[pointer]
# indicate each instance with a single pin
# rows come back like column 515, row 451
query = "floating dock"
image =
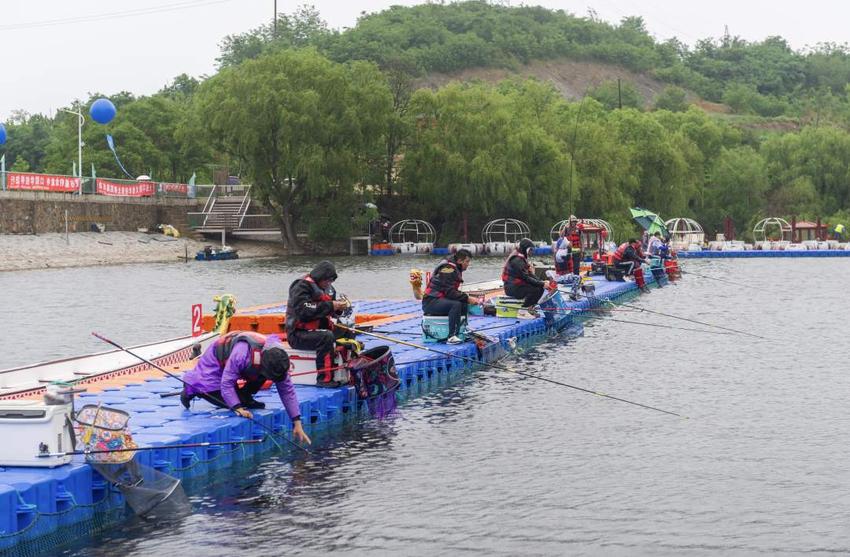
column 762, row 253
column 41, row 508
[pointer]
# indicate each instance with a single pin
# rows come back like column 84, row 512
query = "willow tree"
column 473, row 154
column 301, row 127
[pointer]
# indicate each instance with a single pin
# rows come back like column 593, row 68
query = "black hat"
column 274, row 364
column 524, row 245
column 325, row 270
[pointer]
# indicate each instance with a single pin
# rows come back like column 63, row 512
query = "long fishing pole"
column 216, row 399
column 697, row 322
column 694, row 321
column 667, row 327
column 179, row 446
column 505, row 368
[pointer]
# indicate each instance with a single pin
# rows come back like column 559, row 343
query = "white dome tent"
column 772, row 233
column 412, row 236
column 685, row 234
column 501, row 235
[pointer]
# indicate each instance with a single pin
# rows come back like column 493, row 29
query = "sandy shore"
column 19, row 252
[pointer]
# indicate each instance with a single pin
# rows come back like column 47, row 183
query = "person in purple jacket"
column 249, row 356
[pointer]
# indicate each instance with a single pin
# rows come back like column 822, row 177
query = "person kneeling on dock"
column 253, row 358
column 310, row 310
column 443, row 295
column 520, row 282
column 628, row 259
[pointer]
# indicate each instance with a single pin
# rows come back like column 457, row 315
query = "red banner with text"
column 41, row 182
column 174, row 188
column 139, row 189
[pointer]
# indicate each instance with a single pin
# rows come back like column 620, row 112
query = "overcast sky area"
column 48, row 60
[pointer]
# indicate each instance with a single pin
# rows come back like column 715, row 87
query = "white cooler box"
column 303, row 367
column 30, row 427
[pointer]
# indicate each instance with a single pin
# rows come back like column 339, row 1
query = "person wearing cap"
column 520, row 282
column 310, row 311
column 574, row 230
column 252, row 358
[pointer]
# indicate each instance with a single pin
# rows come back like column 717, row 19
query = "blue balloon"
column 102, row 111
column 2, row 134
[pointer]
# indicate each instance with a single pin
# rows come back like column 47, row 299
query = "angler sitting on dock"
column 628, row 259
column 519, row 280
column 255, row 359
column 310, row 310
column 443, row 295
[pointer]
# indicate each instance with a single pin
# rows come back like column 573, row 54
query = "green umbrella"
column 649, row 221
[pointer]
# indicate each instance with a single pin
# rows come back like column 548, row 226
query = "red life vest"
column 507, row 277
column 621, row 251
column 432, row 290
column 319, row 295
column 224, row 346
column 575, row 237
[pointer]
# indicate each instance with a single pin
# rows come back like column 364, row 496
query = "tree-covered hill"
column 765, row 77
column 469, row 111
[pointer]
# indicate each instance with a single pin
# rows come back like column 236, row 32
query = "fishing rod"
column 695, row 321
column 216, row 399
column 505, row 368
column 179, row 446
column 667, row 327
column 582, row 310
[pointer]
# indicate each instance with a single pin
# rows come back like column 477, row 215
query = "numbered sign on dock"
column 197, row 319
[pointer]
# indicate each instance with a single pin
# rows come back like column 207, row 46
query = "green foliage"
column 29, row 136
column 305, row 27
column 763, row 77
column 745, row 99
column 614, row 94
column 672, row 98
column 302, row 127
column 321, row 120
column 478, row 150
column 146, row 138
column 737, row 188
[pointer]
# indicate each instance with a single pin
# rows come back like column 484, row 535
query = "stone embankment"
column 81, row 249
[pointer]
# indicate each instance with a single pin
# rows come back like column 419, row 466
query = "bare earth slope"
column 571, row 77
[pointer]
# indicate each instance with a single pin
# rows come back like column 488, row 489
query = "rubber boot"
column 639, row 280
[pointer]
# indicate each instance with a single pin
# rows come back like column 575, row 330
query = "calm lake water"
column 497, row 464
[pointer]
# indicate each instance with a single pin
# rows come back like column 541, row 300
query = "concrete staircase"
column 225, row 213
column 228, row 211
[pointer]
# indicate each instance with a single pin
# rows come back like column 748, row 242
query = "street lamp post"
column 82, row 120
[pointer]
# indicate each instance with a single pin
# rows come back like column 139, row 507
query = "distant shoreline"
column 23, row 252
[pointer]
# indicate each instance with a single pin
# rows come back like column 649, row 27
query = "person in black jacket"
column 519, row 280
column 310, row 310
column 443, row 296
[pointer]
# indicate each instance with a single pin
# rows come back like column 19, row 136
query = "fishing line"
column 504, row 368
column 694, row 321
